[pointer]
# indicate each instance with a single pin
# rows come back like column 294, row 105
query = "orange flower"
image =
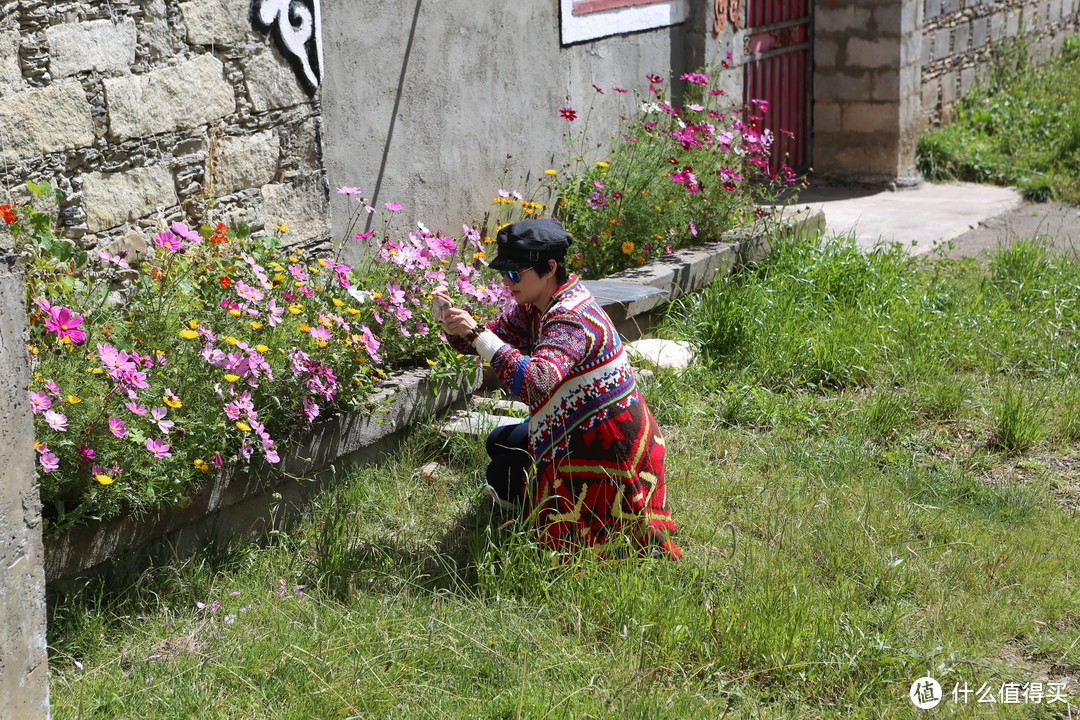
column 7, row 213
column 156, row 273
column 219, row 234
column 225, row 281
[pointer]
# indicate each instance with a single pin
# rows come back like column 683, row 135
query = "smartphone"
column 439, row 306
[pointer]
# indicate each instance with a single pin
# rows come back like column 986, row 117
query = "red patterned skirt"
column 607, row 491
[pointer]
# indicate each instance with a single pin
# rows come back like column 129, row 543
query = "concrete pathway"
column 922, row 218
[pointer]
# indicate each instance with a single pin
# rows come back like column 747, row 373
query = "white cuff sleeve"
column 487, row 344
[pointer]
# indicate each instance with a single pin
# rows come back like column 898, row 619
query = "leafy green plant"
column 152, row 374
column 670, row 176
column 1019, row 420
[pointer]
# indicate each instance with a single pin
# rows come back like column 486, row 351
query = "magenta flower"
column 249, row 293
column 86, row 452
column 136, row 408
column 65, row 324
column 170, row 241
column 52, row 387
column 49, row 461
column 394, row 207
column 322, row 334
column 698, row 78
column 568, row 113
column 308, row 408
column 371, row 343
column 40, row 402
column 693, row 228
column 56, row 420
column 217, row 460
column 158, row 448
column 192, row 236
column 117, row 427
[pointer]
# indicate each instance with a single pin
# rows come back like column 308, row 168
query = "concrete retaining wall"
column 961, row 38
column 24, row 681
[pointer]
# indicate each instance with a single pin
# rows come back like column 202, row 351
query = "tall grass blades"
column 1019, row 420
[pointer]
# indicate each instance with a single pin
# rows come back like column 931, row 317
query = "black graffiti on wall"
column 294, row 26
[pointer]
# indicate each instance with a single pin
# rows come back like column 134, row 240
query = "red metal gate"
column 778, row 70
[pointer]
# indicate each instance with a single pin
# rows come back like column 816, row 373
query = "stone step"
column 470, row 422
column 499, row 407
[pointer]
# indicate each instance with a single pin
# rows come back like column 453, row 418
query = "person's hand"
column 442, row 292
column 459, row 321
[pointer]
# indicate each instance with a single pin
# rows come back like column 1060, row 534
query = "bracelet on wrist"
column 470, row 337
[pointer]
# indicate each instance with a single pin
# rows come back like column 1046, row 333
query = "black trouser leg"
column 508, row 448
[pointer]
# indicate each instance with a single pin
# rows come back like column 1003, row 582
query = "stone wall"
column 140, row 111
column 962, row 37
column 24, row 682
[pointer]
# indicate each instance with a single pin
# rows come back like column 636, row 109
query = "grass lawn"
column 875, row 470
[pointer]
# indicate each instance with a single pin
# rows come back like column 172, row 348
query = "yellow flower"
column 551, row 172
column 231, row 340
column 376, row 295
column 32, row 349
column 321, row 343
column 432, row 363
column 295, row 309
column 104, row 479
column 262, row 348
column 202, row 465
column 189, row 334
column 304, row 327
column 96, row 371
column 640, row 259
column 72, row 399
column 193, row 324
column 322, row 262
column 256, row 325
column 278, row 277
column 243, row 426
column 337, row 303
column 602, row 164
column 628, row 247
column 282, row 227
column 479, row 255
column 38, row 444
column 235, row 313
column 293, row 258
column 171, row 400
column 352, row 311
column 232, row 377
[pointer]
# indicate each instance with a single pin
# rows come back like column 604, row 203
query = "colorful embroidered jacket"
column 598, row 452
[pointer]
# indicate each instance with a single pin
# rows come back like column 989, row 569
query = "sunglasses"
column 514, row 276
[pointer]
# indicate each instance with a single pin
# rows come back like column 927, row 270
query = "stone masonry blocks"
column 96, row 45
column 111, row 199
column 24, row 679
column 842, row 87
column 44, row 120
column 870, row 117
column 850, row 18
column 245, row 162
column 271, row 83
column 217, row 22
column 183, row 96
column 10, row 71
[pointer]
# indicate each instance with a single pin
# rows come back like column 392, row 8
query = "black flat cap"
column 527, row 242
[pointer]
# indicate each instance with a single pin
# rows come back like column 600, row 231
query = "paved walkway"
column 961, row 219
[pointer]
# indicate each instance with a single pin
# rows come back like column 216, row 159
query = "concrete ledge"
column 239, row 505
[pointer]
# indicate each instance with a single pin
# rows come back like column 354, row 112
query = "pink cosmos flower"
column 192, row 236
column 321, row 333
column 49, row 461
column 394, row 207
column 248, row 292
column 371, row 343
column 170, row 241
column 86, row 452
column 136, row 408
column 217, row 460
column 117, row 427
column 65, row 324
column 568, row 113
column 56, row 420
column 52, row 387
column 40, row 402
column 698, row 78
column 158, row 448
column 693, row 228
column 158, row 416
column 348, row 191
column 309, row 409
